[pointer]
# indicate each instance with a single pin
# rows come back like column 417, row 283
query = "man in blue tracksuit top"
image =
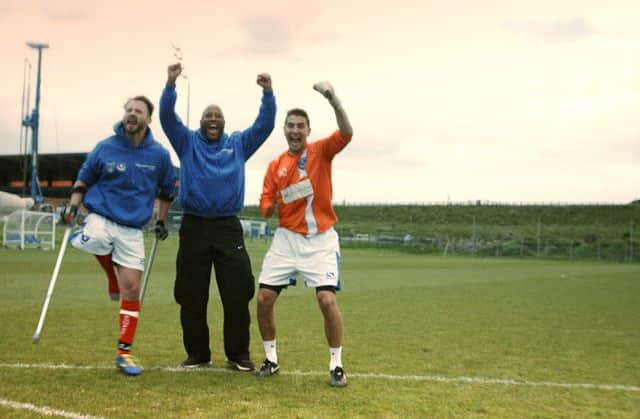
column 212, row 194
column 119, row 182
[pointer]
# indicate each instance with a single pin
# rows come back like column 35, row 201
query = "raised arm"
column 172, row 126
column 254, row 136
column 264, row 81
column 326, row 89
column 173, row 72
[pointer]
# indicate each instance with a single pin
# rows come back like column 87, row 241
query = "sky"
column 532, row 101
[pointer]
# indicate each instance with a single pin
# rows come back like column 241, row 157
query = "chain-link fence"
column 543, row 241
column 604, row 232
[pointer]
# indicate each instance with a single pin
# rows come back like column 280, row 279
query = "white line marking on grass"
column 501, row 381
column 436, row 378
column 44, row 410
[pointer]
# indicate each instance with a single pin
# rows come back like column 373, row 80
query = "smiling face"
column 296, row 131
column 212, row 122
column 136, row 117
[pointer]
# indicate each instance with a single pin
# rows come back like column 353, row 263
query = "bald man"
column 212, row 183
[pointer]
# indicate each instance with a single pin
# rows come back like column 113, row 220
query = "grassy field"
column 587, row 232
column 609, row 222
column 425, row 336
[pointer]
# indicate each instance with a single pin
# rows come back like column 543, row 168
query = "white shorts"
column 100, row 236
column 315, row 258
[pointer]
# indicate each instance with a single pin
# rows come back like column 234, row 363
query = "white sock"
column 336, row 358
column 270, row 350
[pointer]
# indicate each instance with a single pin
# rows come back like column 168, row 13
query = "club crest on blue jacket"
column 124, row 179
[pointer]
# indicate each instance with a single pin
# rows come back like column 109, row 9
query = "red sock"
column 107, row 264
column 129, row 311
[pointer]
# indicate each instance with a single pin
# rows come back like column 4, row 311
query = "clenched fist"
column 173, row 72
column 264, row 81
column 326, row 89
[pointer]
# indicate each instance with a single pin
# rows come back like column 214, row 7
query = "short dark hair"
column 297, row 112
column 144, row 99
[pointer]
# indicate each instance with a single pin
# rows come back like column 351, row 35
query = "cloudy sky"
column 450, row 100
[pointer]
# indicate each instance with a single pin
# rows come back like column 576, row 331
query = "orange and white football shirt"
column 303, row 209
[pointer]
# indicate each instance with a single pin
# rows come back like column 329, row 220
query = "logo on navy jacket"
column 143, row 166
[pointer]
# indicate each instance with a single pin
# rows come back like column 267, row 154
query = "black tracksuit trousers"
column 217, row 241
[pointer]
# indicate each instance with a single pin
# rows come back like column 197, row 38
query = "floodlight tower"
column 33, row 121
column 24, row 133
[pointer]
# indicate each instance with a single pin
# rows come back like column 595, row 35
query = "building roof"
column 56, row 173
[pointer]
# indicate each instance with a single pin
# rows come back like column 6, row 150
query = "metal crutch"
column 52, row 284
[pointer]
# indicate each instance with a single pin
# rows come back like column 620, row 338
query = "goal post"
column 29, row 230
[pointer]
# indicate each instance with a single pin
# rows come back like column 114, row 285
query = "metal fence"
column 538, row 240
column 543, row 242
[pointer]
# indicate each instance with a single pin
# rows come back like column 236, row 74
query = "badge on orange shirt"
column 296, row 191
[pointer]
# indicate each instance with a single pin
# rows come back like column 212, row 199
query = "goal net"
column 29, row 230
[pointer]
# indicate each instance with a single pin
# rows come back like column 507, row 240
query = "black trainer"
column 244, row 365
column 192, row 363
column 338, row 377
column 268, row 368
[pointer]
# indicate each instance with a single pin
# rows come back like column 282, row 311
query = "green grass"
column 409, row 319
column 608, row 222
column 598, row 232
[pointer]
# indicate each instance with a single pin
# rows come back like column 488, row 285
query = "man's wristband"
column 79, row 189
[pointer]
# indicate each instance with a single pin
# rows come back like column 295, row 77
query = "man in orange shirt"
column 298, row 183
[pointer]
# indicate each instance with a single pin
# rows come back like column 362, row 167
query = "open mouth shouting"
column 212, row 122
column 212, row 130
column 296, row 143
column 131, row 123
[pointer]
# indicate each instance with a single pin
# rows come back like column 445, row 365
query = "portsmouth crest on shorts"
column 121, row 167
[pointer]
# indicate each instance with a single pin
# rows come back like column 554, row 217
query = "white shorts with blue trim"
column 100, row 236
column 316, row 259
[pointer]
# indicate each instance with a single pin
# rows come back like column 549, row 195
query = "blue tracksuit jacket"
column 123, row 179
column 212, row 172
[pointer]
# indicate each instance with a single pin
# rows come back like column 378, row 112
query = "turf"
column 425, row 336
